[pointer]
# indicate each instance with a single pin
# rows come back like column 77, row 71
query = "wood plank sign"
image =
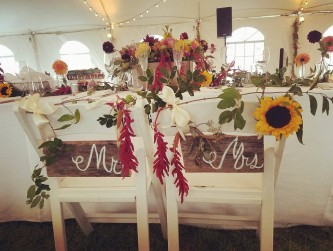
column 223, row 153
column 87, row 159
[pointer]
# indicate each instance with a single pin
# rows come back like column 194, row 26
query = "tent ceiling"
column 47, row 16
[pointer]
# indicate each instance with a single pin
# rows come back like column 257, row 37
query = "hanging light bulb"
column 301, row 19
column 156, row 5
column 109, row 35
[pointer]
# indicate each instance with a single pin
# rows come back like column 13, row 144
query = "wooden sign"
column 87, row 159
column 224, row 153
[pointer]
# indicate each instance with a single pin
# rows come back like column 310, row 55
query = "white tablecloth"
column 303, row 190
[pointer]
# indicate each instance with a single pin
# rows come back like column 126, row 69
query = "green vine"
column 37, row 192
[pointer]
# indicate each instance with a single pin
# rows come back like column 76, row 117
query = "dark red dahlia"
column 151, row 40
column 108, row 47
column 204, row 44
column 126, row 57
column 314, row 36
column 183, row 36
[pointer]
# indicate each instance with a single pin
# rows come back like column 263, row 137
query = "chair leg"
column 79, row 215
column 267, row 207
column 172, row 215
column 160, row 202
column 142, row 205
column 58, row 223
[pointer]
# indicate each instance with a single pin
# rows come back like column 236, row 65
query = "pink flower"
column 328, row 43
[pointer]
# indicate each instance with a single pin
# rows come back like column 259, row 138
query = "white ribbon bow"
column 38, row 108
column 178, row 115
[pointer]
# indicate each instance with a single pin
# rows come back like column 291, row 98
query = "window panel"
column 248, row 43
column 76, row 55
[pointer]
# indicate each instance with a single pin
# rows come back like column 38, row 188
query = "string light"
column 140, row 15
column 127, row 21
column 95, row 12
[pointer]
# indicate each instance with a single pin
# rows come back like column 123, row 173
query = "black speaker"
column 224, row 22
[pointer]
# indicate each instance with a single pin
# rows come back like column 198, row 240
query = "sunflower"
column 208, row 78
column 328, row 43
column 60, row 67
column 5, row 90
column 302, row 59
column 277, row 117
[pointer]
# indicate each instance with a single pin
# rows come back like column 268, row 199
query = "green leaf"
column 225, row 117
column 143, row 78
column 35, row 201
column 189, row 75
column 313, row 105
column 41, row 203
column 77, row 116
column 173, row 72
column 257, row 81
column 163, row 80
column 31, row 191
column 230, row 93
column 149, row 73
column 147, row 109
column 239, row 122
column 226, row 103
column 276, row 79
column 129, row 99
column 326, row 105
column 66, row 117
column 296, row 90
column 164, row 72
column 199, row 79
column 63, row 127
column 299, row 134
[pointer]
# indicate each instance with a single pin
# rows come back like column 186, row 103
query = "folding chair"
column 91, row 145
column 234, row 170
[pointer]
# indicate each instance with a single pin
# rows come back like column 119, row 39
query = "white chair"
column 212, row 194
column 74, row 190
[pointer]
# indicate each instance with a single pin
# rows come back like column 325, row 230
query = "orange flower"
column 5, row 90
column 302, row 59
column 60, row 67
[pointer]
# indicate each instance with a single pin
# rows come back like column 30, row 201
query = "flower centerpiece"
column 161, row 57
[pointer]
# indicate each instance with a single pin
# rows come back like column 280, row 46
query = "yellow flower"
column 5, row 90
column 277, row 117
column 302, row 59
column 208, row 78
column 60, row 67
column 179, row 46
column 142, row 50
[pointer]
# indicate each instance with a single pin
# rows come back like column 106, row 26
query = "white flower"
column 178, row 115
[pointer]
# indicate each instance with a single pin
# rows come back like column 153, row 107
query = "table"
column 303, row 192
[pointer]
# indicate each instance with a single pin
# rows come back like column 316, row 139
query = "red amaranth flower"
column 108, row 47
column 161, row 162
column 180, row 181
column 126, row 156
column 314, row 36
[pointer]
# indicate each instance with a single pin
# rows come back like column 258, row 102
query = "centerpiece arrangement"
column 160, row 56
